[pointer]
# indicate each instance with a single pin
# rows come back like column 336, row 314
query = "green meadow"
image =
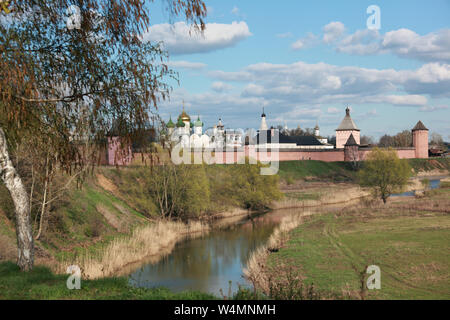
column 409, row 240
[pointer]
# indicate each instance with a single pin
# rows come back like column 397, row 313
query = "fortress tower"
column 420, row 140
column 351, row 150
column 345, row 130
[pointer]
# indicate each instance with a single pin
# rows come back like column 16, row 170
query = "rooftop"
column 419, row 126
column 282, row 138
column 351, row 141
column 347, row 123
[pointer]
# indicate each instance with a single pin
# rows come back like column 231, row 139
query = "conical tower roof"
column 347, row 123
column 351, row 141
column 419, row 126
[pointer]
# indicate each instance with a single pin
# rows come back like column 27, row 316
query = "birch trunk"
column 19, row 195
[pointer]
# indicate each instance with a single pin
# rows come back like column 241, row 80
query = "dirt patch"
column 8, row 248
column 113, row 219
column 434, row 172
column 106, row 184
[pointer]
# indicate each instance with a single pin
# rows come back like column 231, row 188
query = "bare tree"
column 51, row 74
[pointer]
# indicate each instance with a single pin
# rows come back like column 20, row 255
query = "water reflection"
column 208, row 263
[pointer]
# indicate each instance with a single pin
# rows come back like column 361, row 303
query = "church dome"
column 180, row 123
column 170, row 124
column 184, row 116
column 198, row 123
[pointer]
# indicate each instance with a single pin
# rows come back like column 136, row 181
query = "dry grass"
column 144, row 242
column 337, row 195
column 332, row 196
column 255, row 271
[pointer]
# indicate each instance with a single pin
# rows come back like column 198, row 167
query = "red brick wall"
column 118, row 155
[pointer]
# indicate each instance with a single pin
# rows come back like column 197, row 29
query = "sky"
column 304, row 62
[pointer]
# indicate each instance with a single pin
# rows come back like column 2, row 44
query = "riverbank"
column 41, row 283
column 305, row 194
column 407, row 239
column 109, row 226
column 116, row 205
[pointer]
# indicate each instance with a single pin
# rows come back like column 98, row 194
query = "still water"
column 433, row 185
column 210, row 262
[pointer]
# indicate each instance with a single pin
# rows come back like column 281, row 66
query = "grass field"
column 342, row 171
column 41, row 283
column 333, row 171
column 409, row 240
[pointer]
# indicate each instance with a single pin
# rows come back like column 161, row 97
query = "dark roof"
column 351, row 141
column 419, row 126
column 347, row 123
column 298, row 140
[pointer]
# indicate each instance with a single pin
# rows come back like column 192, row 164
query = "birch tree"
column 60, row 59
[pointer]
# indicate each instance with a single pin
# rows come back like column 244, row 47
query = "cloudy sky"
column 306, row 62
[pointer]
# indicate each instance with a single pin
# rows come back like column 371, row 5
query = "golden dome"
column 184, row 116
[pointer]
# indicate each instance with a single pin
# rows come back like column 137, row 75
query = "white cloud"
column 180, row 38
column 432, row 108
column 362, row 42
column 333, row 110
column 235, row 11
column 434, row 46
column 186, row 65
column 308, row 41
column 297, row 45
column 408, row 100
column 323, row 83
column 253, row 90
column 300, row 91
column 333, row 31
column 331, row 83
column 220, row 86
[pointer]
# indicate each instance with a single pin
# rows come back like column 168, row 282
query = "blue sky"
column 304, row 62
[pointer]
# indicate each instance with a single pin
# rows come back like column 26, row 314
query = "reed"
column 256, row 272
column 144, row 242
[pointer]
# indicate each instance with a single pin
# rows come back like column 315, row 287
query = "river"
column 210, row 262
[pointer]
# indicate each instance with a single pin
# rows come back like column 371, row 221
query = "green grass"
column 41, row 283
column 429, row 164
column 410, row 246
column 342, row 171
column 334, row 171
column 303, row 195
